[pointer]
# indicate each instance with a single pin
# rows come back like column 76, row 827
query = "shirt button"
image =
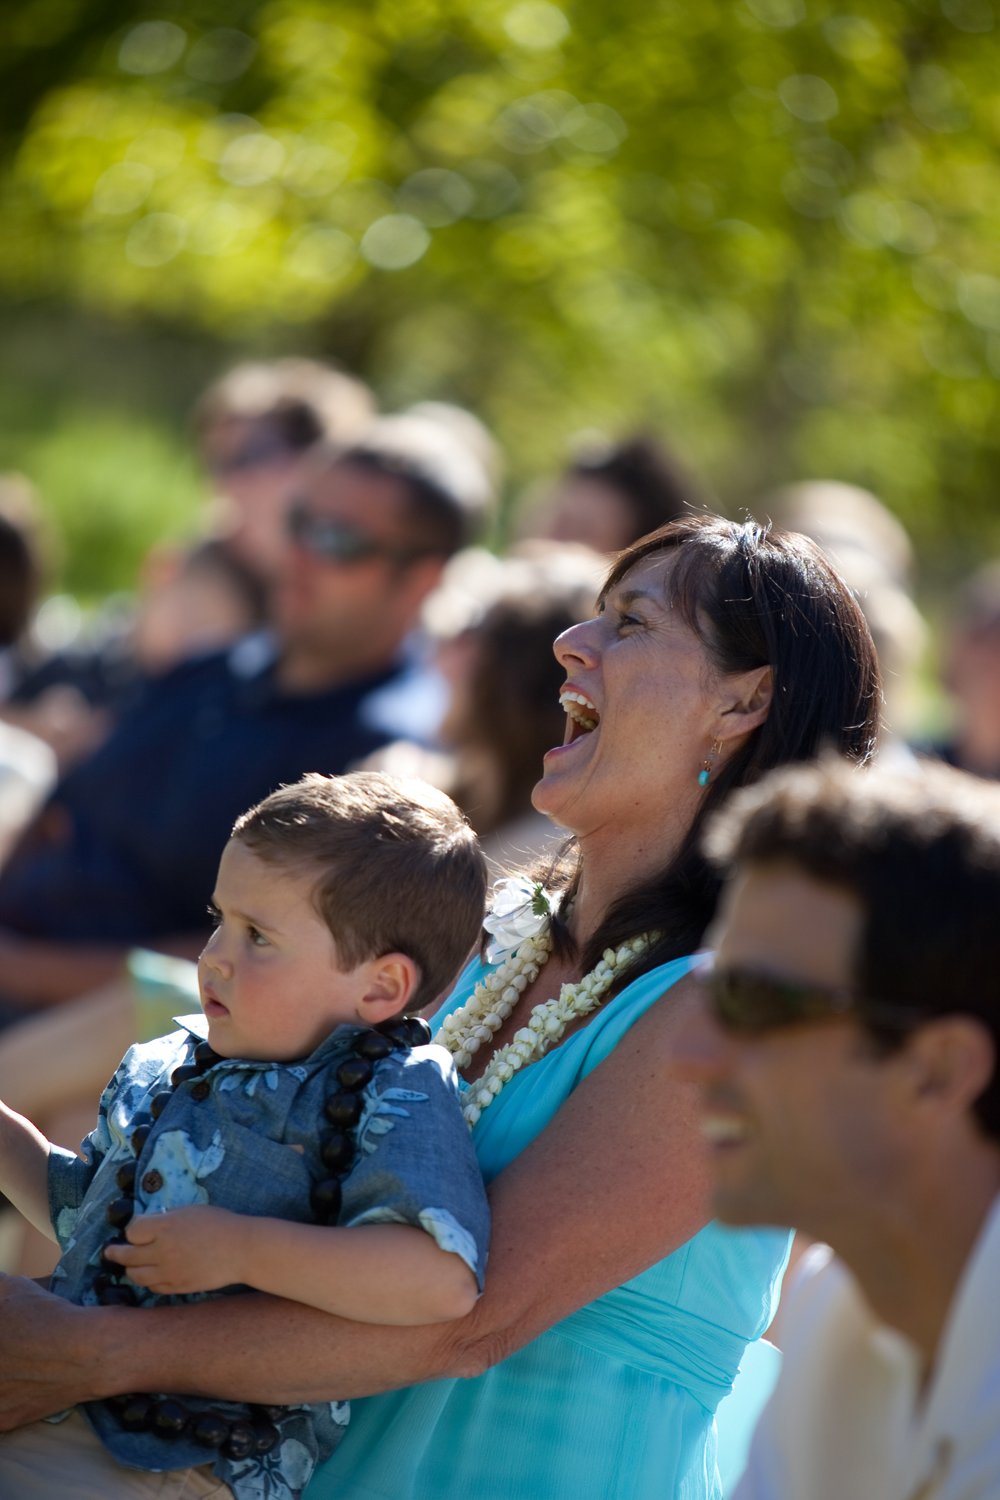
column 200, row 1090
column 152, row 1182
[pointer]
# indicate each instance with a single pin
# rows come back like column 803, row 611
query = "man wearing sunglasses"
column 846, row 1051
column 255, row 428
column 369, row 530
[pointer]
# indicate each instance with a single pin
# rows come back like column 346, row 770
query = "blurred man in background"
column 255, row 428
column 123, row 852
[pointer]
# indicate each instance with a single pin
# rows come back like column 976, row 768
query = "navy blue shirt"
column 127, row 848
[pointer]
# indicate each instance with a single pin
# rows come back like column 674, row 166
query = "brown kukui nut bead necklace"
column 254, row 1430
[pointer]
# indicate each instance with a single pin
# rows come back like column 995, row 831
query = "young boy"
column 298, row 1096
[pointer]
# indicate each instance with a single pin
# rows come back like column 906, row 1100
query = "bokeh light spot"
column 595, row 129
column 975, row 16
column 808, row 97
column 436, row 196
column 321, row 254
column 220, row 55
column 155, row 240
column 251, row 159
column 123, row 188
column 151, row 47
column 394, row 242
column 780, row 14
column 536, row 25
column 979, row 300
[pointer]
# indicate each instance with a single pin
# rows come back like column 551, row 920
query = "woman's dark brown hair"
column 756, row 598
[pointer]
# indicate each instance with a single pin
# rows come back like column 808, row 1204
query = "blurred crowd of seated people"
column 253, row 430
column 338, row 607
column 872, row 551
column 970, row 664
column 123, row 850
column 611, row 493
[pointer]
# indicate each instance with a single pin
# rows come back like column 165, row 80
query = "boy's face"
column 269, row 978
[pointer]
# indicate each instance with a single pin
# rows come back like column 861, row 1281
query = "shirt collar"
column 341, row 1036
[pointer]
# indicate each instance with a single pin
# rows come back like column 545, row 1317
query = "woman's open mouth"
column 582, row 718
column 581, row 713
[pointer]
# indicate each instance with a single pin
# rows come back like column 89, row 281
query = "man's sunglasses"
column 743, row 1000
column 252, row 455
column 337, row 542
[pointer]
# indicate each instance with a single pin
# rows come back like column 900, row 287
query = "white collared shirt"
column 848, row 1421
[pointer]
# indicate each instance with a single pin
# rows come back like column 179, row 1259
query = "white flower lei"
column 494, row 998
column 520, row 909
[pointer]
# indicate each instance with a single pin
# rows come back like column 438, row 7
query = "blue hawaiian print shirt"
column 251, row 1145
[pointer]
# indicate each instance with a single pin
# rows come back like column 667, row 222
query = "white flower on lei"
column 520, row 909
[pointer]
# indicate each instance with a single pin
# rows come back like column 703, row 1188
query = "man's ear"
column 951, row 1059
column 390, row 984
column 746, row 702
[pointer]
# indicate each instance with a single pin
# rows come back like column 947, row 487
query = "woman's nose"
column 577, row 645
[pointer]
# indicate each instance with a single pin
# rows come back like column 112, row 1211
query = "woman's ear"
column 390, row 984
column 746, row 702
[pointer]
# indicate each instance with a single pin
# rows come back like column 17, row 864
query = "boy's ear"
column 746, row 702
column 392, row 981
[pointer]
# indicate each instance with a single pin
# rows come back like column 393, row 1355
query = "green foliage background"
column 766, row 228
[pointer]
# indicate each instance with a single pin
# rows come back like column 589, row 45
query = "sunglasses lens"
column 329, row 539
column 253, row 456
column 749, row 1002
column 743, row 1003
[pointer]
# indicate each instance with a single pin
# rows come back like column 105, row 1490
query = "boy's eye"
column 256, row 937
column 214, row 914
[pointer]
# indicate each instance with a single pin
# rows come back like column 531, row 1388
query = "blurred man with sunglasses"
column 255, row 429
column 123, row 854
column 847, row 1052
column 369, row 530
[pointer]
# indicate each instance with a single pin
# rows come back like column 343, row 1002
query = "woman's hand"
column 47, row 1362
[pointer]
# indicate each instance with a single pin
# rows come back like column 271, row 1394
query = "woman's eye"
column 625, row 620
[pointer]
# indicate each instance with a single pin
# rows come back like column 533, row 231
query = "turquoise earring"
column 708, row 765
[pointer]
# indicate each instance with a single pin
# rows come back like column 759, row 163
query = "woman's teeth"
column 580, row 709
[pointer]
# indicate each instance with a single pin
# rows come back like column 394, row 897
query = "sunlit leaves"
column 769, row 226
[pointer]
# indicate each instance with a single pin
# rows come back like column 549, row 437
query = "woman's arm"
column 615, row 1183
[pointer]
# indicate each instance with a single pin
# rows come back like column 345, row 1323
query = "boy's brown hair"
column 398, row 868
